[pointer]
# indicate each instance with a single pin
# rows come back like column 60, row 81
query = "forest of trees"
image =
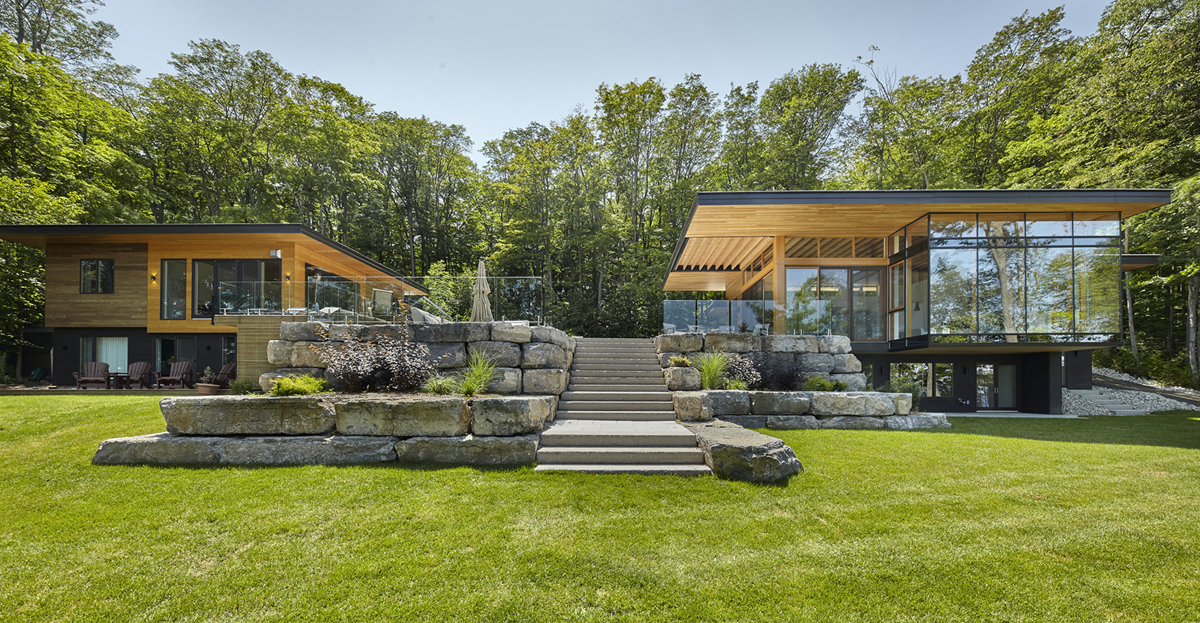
column 594, row 202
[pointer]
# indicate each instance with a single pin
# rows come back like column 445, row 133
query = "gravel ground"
column 1073, row 404
column 1121, row 376
column 1145, row 401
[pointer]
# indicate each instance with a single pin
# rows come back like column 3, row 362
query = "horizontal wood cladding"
column 253, row 334
column 124, row 307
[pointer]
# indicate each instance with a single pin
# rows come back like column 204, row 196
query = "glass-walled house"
column 989, row 298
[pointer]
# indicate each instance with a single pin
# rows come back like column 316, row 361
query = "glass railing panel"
column 679, row 316
column 249, row 297
column 752, row 316
column 713, row 317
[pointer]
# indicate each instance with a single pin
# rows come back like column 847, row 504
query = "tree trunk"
column 1170, row 302
column 1193, row 295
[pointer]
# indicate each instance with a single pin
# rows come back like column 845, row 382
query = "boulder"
column 447, row 355
column 729, row 402
column 157, row 449
column 279, row 352
column 544, row 381
column 731, row 342
column 303, row 331
column 910, row 422
column 503, row 354
column 305, row 355
column 664, row 359
column 691, row 406
column 515, row 333
column 682, row 379
column 853, row 423
column 167, row 449
column 833, row 344
column 746, row 421
column 540, row 334
column 543, row 355
column 877, row 404
column 509, row 415
column 469, row 450
column 903, row 402
column 403, row 416
column 267, row 380
column 792, row 422
column 452, row 332
column 346, row 332
column 856, row 382
column 845, row 364
column 836, row 403
column 815, row 362
column 679, row 343
column 505, row 381
column 789, row 343
column 778, row 403
column 247, row 415
column 734, row 452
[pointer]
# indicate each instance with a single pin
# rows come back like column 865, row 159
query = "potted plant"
column 205, row 386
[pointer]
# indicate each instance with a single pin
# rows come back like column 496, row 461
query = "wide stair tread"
column 637, row 455
column 643, row 470
column 640, row 416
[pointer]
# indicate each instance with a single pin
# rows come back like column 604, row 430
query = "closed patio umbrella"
column 481, row 308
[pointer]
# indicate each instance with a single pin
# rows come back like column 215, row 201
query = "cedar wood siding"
column 67, row 307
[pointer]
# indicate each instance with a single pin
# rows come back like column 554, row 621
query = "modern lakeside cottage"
column 994, row 298
column 212, row 294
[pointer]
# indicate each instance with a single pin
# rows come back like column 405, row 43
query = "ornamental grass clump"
column 478, row 374
column 712, row 370
column 386, row 364
column 299, row 386
column 441, row 385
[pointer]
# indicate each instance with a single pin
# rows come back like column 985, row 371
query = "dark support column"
column 1079, row 369
column 878, row 374
column 964, row 386
column 1040, row 378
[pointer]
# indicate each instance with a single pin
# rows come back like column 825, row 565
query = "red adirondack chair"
column 139, row 373
column 94, row 374
column 179, row 377
column 228, row 373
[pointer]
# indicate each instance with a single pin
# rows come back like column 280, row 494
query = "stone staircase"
column 617, row 416
column 1106, row 401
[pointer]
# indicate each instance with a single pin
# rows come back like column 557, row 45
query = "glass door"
column 996, row 387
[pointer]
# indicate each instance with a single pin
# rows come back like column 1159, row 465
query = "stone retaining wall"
column 792, row 358
column 530, row 360
column 339, row 429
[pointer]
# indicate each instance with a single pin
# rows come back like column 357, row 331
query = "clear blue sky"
column 493, row 66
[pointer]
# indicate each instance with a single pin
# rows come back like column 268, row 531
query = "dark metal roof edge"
column 679, row 246
column 362, row 258
column 847, row 197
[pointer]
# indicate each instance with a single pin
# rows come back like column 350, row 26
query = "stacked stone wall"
column 529, row 360
column 786, row 361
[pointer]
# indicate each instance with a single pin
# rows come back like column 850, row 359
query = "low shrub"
column 818, row 384
column 712, row 369
column 680, row 362
column 299, row 386
column 741, row 369
column 736, row 384
column 478, row 374
column 1153, row 365
column 388, row 364
column 241, row 386
column 840, row 386
column 441, row 385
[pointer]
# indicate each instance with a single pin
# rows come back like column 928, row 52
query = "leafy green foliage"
column 441, row 385
column 242, row 386
column 678, row 361
column 819, row 384
column 299, row 386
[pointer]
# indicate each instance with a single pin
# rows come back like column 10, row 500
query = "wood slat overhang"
column 722, row 253
column 762, row 215
column 199, row 236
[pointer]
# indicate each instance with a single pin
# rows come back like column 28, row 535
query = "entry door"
column 996, row 387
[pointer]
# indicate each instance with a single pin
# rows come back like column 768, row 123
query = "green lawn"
column 997, row 520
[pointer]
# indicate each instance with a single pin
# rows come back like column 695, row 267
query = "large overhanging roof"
column 724, row 229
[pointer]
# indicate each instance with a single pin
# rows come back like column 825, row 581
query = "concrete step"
column 615, row 405
column 617, row 367
column 634, row 379
column 639, row 416
column 647, row 455
column 616, row 358
column 616, row 433
column 645, row 470
column 611, row 387
column 620, row 395
column 645, row 374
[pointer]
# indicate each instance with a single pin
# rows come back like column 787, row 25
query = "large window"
column 111, row 350
column 96, row 276
column 174, row 289
column 169, row 350
column 235, row 287
column 841, row 301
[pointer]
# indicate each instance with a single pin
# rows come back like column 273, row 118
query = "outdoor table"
column 117, row 380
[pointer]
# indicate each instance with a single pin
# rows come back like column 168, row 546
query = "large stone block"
column 856, row 382
column 729, row 402
column 734, row 452
column 691, row 406
column 469, row 450
column 505, row 381
column 403, row 416
column 279, row 352
column 731, row 342
column 746, row 421
column 846, row 364
column 833, row 344
column 452, row 332
column 778, row 403
column 247, row 415
column 910, row 422
column 544, row 381
column 815, row 362
column 877, row 404
column 374, row 332
column 543, row 355
column 903, row 402
column 836, row 403
column 682, row 379
column 157, row 449
column 789, row 343
column 853, row 423
column 303, row 331
column 540, row 334
column 306, row 355
column 510, row 415
column 447, row 354
column 515, row 333
column 503, row 354
column 664, row 359
column 679, row 343
column 561, row 339
column 792, row 422
column 347, row 332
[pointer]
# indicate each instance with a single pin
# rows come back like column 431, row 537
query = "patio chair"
column 37, row 375
column 139, row 373
column 94, row 374
column 228, row 373
column 668, row 328
column 179, row 377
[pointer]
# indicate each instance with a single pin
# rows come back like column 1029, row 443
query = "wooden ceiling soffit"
column 725, row 253
column 705, row 280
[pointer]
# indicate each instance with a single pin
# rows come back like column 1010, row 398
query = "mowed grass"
column 994, row 520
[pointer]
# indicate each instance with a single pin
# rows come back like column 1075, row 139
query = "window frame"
column 98, row 263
